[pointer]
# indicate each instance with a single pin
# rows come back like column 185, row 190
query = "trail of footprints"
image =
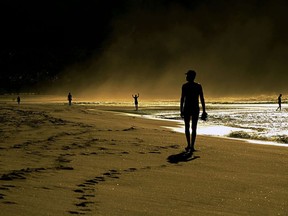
column 14, row 175
column 85, row 192
column 5, row 187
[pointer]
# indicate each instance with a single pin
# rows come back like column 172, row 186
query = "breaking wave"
column 246, row 135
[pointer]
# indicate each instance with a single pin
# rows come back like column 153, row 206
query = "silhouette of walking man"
column 70, row 99
column 136, row 100
column 279, row 102
column 189, row 107
column 18, row 99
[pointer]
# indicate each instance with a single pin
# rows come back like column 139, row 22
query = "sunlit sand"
column 61, row 160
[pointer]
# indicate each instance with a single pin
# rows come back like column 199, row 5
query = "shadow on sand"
column 182, row 157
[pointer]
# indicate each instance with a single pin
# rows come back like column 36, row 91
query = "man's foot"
column 190, row 149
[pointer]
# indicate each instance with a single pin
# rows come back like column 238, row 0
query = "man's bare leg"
column 187, row 131
column 194, row 131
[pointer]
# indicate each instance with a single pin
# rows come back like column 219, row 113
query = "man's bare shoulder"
column 191, row 85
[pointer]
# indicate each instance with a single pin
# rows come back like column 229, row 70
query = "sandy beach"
column 89, row 160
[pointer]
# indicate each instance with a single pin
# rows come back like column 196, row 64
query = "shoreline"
column 128, row 109
column 204, row 130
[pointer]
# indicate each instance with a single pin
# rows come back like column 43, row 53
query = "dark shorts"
column 191, row 112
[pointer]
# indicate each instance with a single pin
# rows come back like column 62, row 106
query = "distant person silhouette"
column 70, row 99
column 189, row 107
column 18, row 99
column 279, row 103
column 136, row 101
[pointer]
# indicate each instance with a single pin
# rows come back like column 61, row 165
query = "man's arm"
column 202, row 100
column 181, row 104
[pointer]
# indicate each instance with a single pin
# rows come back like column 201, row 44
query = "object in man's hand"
column 204, row 116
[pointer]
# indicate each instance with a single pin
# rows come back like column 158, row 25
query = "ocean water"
column 256, row 122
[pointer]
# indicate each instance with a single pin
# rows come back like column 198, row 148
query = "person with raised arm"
column 136, row 101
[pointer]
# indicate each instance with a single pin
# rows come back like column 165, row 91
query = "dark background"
column 40, row 38
column 237, row 47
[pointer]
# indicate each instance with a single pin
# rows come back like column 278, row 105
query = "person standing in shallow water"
column 18, row 99
column 279, row 103
column 189, row 108
column 136, row 101
column 70, row 99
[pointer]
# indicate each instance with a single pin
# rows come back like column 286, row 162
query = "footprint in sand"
column 78, row 191
column 9, row 202
column 155, row 152
column 130, row 170
column 91, row 182
column 84, row 204
column 13, row 175
column 74, row 212
column 61, row 159
column 64, row 168
column 84, row 197
column 147, row 167
column 129, row 129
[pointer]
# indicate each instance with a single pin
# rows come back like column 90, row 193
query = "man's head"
column 190, row 75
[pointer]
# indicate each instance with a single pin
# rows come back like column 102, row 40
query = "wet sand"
column 81, row 160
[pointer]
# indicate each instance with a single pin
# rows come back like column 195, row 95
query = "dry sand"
column 60, row 160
